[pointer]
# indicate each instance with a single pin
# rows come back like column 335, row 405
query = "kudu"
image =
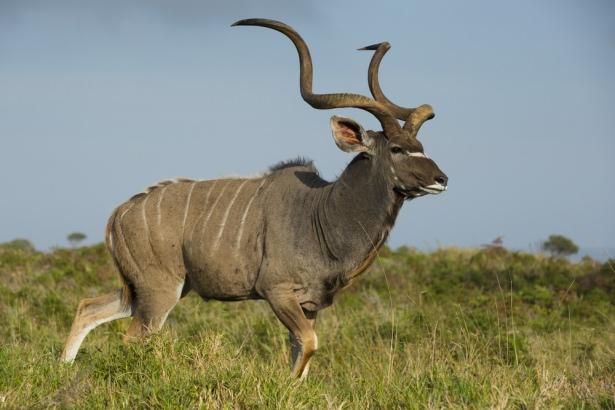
column 288, row 237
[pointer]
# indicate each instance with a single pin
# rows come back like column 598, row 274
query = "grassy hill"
column 455, row 328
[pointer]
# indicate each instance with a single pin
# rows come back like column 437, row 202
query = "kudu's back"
column 210, row 236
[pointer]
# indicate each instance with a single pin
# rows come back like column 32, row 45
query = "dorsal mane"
column 166, row 182
column 291, row 163
column 157, row 185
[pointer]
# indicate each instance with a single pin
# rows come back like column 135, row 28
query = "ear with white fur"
column 349, row 135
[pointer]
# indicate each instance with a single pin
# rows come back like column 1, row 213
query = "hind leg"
column 91, row 313
column 152, row 307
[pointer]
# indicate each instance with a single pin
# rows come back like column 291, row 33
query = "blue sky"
column 99, row 99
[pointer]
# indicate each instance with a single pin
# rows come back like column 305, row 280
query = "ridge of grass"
column 455, row 328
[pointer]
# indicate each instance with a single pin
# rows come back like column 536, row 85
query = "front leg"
column 295, row 344
column 303, row 338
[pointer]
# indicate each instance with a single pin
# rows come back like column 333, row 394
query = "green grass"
column 449, row 329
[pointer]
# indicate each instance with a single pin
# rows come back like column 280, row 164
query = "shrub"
column 22, row 245
column 559, row 245
column 75, row 238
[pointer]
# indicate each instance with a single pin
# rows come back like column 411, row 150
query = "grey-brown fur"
column 288, row 237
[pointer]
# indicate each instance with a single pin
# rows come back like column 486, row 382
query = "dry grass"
column 440, row 330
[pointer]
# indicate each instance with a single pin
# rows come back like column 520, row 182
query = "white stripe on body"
column 245, row 214
column 143, row 214
column 121, row 235
column 159, row 214
column 125, row 211
column 228, row 210
column 109, row 238
column 149, row 233
column 196, row 223
column 187, row 208
column 213, row 207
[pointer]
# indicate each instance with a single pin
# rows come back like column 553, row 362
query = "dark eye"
column 396, row 150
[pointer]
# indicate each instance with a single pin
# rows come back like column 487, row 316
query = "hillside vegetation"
column 455, row 328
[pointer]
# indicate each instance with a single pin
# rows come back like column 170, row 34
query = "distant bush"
column 601, row 279
column 23, row 245
column 559, row 245
column 75, row 238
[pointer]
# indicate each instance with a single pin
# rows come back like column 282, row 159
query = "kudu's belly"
column 222, row 278
column 222, row 268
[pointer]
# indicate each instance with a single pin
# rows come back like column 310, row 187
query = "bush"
column 22, row 245
column 559, row 245
column 75, row 238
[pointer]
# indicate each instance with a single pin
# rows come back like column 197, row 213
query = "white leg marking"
column 187, row 208
column 245, row 214
column 178, row 294
column 158, row 210
column 71, row 352
column 228, row 210
column 179, row 290
column 306, row 369
column 305, row 372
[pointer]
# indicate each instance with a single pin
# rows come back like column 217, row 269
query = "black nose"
column 442, row 180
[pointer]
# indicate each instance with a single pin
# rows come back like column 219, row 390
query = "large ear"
column 349, row 135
